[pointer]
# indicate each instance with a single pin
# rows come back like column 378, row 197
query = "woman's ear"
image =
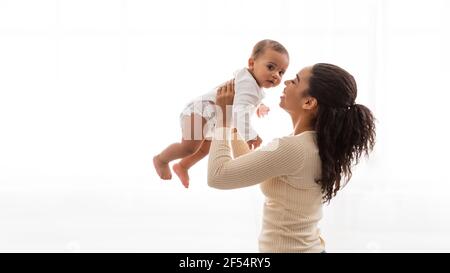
column 251, row 64
column 310, row 103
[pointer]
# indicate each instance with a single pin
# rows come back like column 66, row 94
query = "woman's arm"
column 277, row 158
column 238, row 145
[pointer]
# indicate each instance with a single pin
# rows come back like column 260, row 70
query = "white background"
column 90, row 90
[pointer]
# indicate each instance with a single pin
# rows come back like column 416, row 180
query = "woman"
column 300, row 172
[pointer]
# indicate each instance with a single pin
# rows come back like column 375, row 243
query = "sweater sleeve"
column 279, row 157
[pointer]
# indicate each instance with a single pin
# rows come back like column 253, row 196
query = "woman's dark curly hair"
column 345, row 130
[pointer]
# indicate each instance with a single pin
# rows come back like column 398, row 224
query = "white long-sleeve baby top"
column 248, row 95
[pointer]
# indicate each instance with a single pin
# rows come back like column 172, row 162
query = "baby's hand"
column 262, row 110
column 254, row 143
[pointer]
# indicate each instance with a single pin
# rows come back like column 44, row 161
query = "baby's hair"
column 261, row 46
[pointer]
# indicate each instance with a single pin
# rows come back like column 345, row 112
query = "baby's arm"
column 246, row 100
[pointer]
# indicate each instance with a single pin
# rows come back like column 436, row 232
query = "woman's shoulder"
column 305, row 141
column 304, row 137
column 292, row 143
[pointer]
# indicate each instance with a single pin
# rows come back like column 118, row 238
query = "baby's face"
column 268, row 69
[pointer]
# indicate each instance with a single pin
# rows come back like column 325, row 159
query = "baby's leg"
column 181, row 168
column 192, row 139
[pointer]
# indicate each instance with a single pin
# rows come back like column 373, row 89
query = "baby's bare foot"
column 162, row 168
column 182, row 174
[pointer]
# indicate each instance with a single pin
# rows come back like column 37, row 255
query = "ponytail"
column 344, row 133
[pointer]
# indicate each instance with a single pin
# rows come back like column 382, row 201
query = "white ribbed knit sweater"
column 287, row 169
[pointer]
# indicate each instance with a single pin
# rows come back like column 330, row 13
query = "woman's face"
column 295, row 96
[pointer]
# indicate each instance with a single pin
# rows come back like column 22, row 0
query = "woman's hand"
column 254, row 143
column 224, row 99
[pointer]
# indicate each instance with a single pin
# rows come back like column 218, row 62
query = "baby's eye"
column 270, row 67
column 281, row 73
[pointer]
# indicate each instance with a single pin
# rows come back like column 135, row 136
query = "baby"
column 266, row 66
